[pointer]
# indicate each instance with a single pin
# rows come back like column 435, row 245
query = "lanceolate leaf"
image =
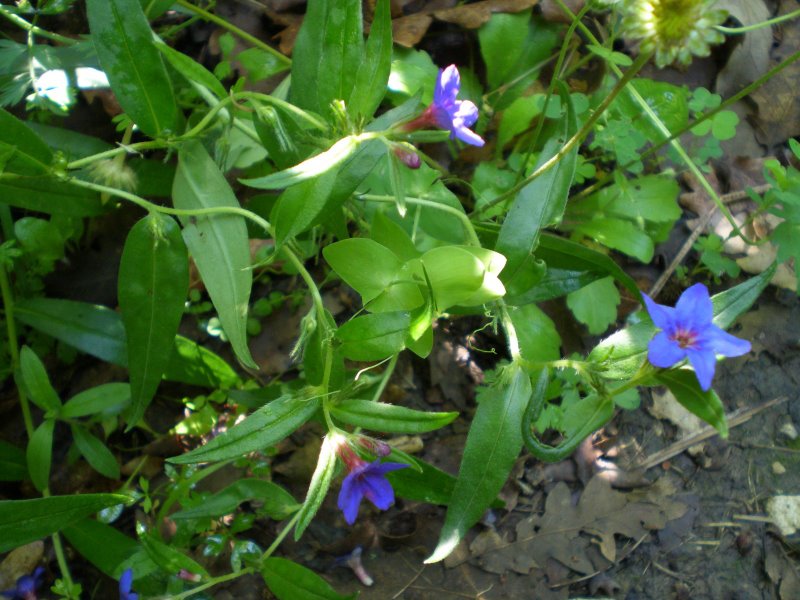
column 266, row 426
column 40, row 455
column 374, row 336
column 298, row 206
column 153, row 282
column 50, row 196
column 290, row 581
column 108, row 549
column 388, row 418
column 192, row 70
column 23, row 521
column 99, row 332
column 493, row 444
column 218, row 243
column 274, row 500
column 37, row 382
column 328, row 48
column 30, row 155
column 542, row 201
column 706, row 405
column 124, row 43
column 373, row 72
column 95, row 452
column 318, row 487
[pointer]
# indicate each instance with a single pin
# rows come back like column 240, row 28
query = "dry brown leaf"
column 750, row 59
column 571, row 534
column 782, row 571
column 409, row 30
column 476, row 14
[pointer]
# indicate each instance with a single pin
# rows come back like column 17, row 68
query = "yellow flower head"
column 673, row 29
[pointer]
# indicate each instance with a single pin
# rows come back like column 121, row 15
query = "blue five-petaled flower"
column 26, row 586
column 687, row 331
column 456, row 115
column 125, row 583
column 366, row 479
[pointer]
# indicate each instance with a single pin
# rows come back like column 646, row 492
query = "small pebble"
column 789, row 430
column 778, row 468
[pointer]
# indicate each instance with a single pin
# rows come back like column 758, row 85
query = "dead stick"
column 735, row 418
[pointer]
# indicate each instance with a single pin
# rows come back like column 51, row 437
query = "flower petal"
column 722, row 342
column 466, row 113
column 447, row 86
column 379, row 491
column 694, row 307
column 704, row 362
column 387, row 467
column 468, row 136
column 125, row 581
column 662, row 316
column 664, row 352
column 350, row 498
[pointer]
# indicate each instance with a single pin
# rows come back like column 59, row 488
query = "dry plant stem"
column 735, row 419
column 696, row 233
column 658, row 123
column 235, row 30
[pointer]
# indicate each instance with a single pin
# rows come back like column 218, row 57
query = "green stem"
column 13, row 345
column 754, row 26
column 183, row 487
column 20, row 22
column 575, row 139
column 659, row 124
column 470, row 231
column 235, row 30
column 385, row 377
column 130, row 149
column 211, row 583
column 552, row 86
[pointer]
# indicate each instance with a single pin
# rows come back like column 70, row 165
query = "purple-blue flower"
column 125, row 583
column 687, row 331
column 26, row 586
column 456, row 115
column 366, row 480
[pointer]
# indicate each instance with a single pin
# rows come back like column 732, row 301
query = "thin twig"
column 734, row 419
column 699, row 228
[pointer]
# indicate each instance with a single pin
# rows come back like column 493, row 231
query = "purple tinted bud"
column 688, row 331
column 407, row 157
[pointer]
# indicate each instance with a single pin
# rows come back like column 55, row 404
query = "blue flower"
column 366, row 480
column 26, row 586
column 125, row 583
column 456, row 115
column 687, row 331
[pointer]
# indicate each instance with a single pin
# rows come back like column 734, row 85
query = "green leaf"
column 560, row 253
column 192, row 70
column 389, row 234
column 364, row 265
column 37, row 383
column 585, row 410
column 387, row 418
column 298, row 207
column 153, row 283
column 13, row 463
column 706, row 405
column 169, row 559
column 266, row 426
column 373, row 72
column 275, row 501
column 536, row 333
column 319, row 485
column 374, row 336
column 728, row 305
column 542, row 201
column 432, row 485
column 104, row 399
column 126, row 50
column 95, row 452
column 99, row 332
column 650, row 198
column 218, row 243
column 618, row 58
column 322, row 163
column 23, row 521
column 30, row 154
column 290, row 581
column 454, row 274
column 555, row 284
column 619, row 235
column 493, row 444
column 50, row 196
column 328, row 48
column 595, row 305
column 40, row 454
column 108, row 549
